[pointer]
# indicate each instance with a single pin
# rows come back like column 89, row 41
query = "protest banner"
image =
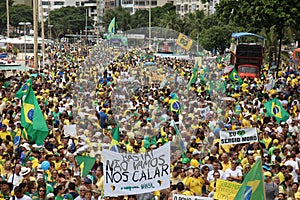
column 183, row 197
column 70, row 130
column 126, row 174
column 204, row 112
column 226, row 190
column 238, row 136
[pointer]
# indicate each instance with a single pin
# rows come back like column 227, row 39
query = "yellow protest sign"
column 184, row 41
column 226, row 190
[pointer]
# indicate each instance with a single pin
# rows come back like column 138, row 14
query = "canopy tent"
column 21, row 40
column 242, row 34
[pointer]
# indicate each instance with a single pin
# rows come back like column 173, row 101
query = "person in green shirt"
column 60, row 194
column 41, row 193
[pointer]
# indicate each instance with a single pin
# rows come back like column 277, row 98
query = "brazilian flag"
column 253, row 184
column 234, row 76
column 85, row 163
column 32, row 119
column 274, row 109
column 24, row 90
column 175, row 105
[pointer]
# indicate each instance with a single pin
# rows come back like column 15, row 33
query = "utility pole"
column 35, row 28
column 7, row 16
column 43, row 38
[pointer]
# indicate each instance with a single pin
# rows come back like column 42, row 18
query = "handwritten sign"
column 126, row 174
column 238, row 136
column 70, row 130
column 226, row 190
column 204, row 112
column 183, row 197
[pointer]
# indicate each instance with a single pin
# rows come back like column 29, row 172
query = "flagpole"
column 262, row 178
column 150, row 24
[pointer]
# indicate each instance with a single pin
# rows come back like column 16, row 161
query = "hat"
column 25, row 171
column 193, row 137
column 97, row 134
column 82, row 143
column 26, row 146
column 185, row 160
column 195, row 152
column 247, row 115
column 82, row 137
column 87, row 181
column 268, row 174
column 275, row 141
column 50, row 195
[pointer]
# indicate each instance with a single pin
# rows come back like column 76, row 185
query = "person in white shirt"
column 216, row 167
column 290, row 160
column 19, row 195
column 234, row 174
column 15, row 177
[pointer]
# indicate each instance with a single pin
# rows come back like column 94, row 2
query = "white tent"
column 21, row 40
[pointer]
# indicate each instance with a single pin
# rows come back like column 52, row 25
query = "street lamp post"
column 24, row 24
column 50, row 33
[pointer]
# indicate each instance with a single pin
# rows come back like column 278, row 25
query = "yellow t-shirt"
column 226, row 165
column 195, row 163
column 195, row 185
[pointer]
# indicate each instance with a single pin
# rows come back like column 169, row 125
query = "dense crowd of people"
column 97, row 88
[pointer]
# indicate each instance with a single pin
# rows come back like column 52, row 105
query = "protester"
column 98, row 91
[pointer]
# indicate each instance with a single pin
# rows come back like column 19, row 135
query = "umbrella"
column 228, row 99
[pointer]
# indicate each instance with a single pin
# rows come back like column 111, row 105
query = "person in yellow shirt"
column 174, row 176
column 182, row 190
column 4, row 132
column 196, row 182
column 195, row 160
column 226, row 164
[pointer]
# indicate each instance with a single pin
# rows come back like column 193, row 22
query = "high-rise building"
column 187, row 6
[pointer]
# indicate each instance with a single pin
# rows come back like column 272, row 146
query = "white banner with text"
column 126, row 173
column 238, row 136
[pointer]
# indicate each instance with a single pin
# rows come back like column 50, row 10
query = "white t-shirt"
column 295, row 166
column 25, row 197
column 235, row 173
column 210, row 175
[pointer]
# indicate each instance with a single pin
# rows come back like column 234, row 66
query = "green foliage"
column 216, row 37
column 18, row 13
column 68, row 20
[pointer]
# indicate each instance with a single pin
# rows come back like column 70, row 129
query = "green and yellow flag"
column 234, row 76
column 32, row 119
column 194, row 76
column 85, row 163
column 184, row 41
column 253, row 185
column 115, row 136
column 112, row 26
column 24, row 90
column 274, row 109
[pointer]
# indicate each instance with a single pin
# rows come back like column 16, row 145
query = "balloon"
column 45, row 165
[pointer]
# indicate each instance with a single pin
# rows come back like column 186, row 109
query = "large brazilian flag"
column 32, row 119
column 274, row 109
